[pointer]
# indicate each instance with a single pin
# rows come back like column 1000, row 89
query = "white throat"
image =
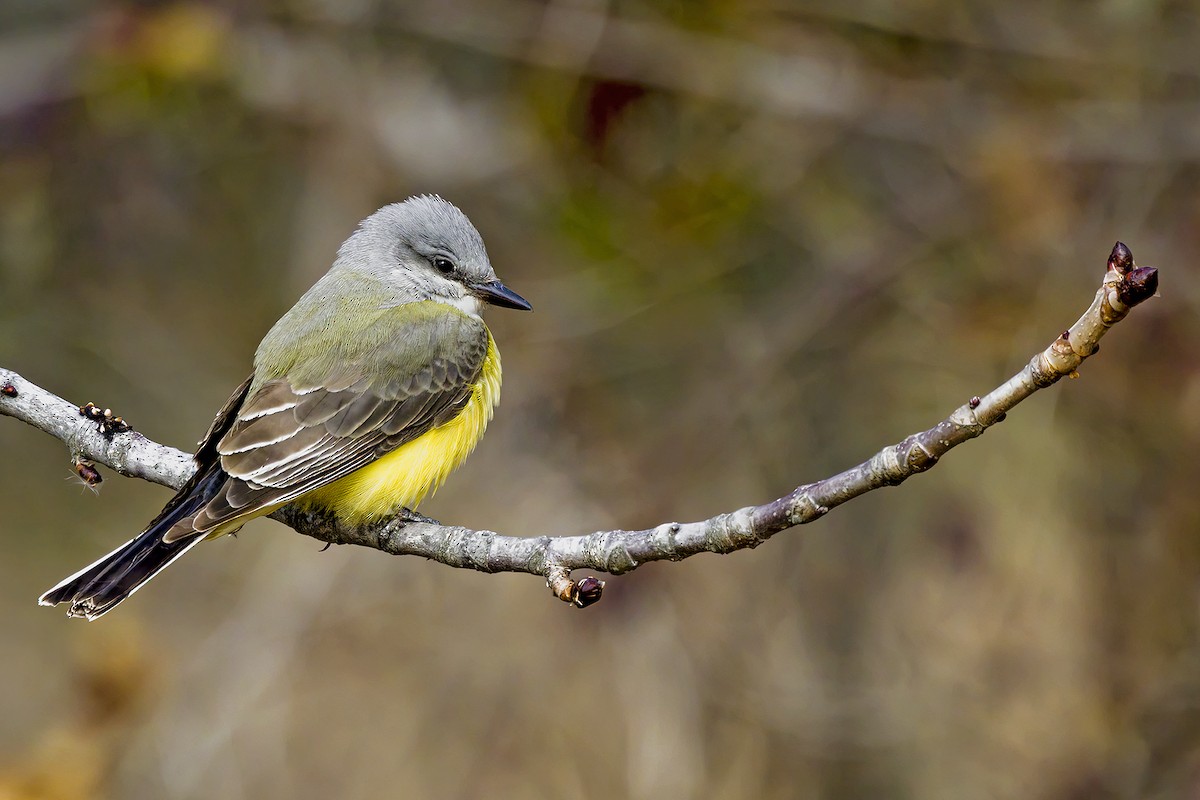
column 466, row 303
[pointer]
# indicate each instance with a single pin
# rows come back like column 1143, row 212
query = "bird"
column 364, row 397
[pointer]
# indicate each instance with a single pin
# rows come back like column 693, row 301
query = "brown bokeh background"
column 762, row 240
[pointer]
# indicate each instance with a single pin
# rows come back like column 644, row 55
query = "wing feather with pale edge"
column 294, row 435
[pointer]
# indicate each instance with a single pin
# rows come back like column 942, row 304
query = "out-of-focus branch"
column 90, row 434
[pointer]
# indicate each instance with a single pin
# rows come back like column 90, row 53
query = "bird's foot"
column 407, row 515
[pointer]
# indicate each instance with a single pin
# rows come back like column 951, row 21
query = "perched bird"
column 364, row 397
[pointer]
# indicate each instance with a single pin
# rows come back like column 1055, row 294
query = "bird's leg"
column 407, row 515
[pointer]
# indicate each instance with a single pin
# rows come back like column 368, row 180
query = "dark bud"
column 1121, row 258
column 974, row 401
column 8, row 390
column 1066, row 336
column 106, row 423
column 1002, row 417
column 587, row 591
column 87, row 472
column 1140, row 284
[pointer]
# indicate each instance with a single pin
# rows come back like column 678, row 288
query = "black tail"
column 98, row 588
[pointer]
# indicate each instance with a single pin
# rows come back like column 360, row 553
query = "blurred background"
column 763, row 240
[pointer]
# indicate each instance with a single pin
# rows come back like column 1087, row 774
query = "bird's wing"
column 206, row 450
column 298, row 432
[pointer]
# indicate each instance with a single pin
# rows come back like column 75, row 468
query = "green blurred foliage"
column 762, row 240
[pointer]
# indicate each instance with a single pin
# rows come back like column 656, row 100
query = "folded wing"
column 305, row 429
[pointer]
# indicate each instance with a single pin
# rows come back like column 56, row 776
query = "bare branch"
column 92, row 435
column 129, row 453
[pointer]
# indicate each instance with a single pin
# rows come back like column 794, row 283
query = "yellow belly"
column 413, row 471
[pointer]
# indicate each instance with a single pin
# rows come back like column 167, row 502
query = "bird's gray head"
column 426, row 249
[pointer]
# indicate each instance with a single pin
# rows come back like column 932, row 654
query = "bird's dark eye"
column 442, row 264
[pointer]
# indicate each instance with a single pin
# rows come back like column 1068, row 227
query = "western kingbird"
column 364, row 397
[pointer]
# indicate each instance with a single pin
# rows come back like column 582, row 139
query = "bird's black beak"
column 498, row 294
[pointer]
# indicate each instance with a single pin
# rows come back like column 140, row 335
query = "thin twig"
column 96, row 436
